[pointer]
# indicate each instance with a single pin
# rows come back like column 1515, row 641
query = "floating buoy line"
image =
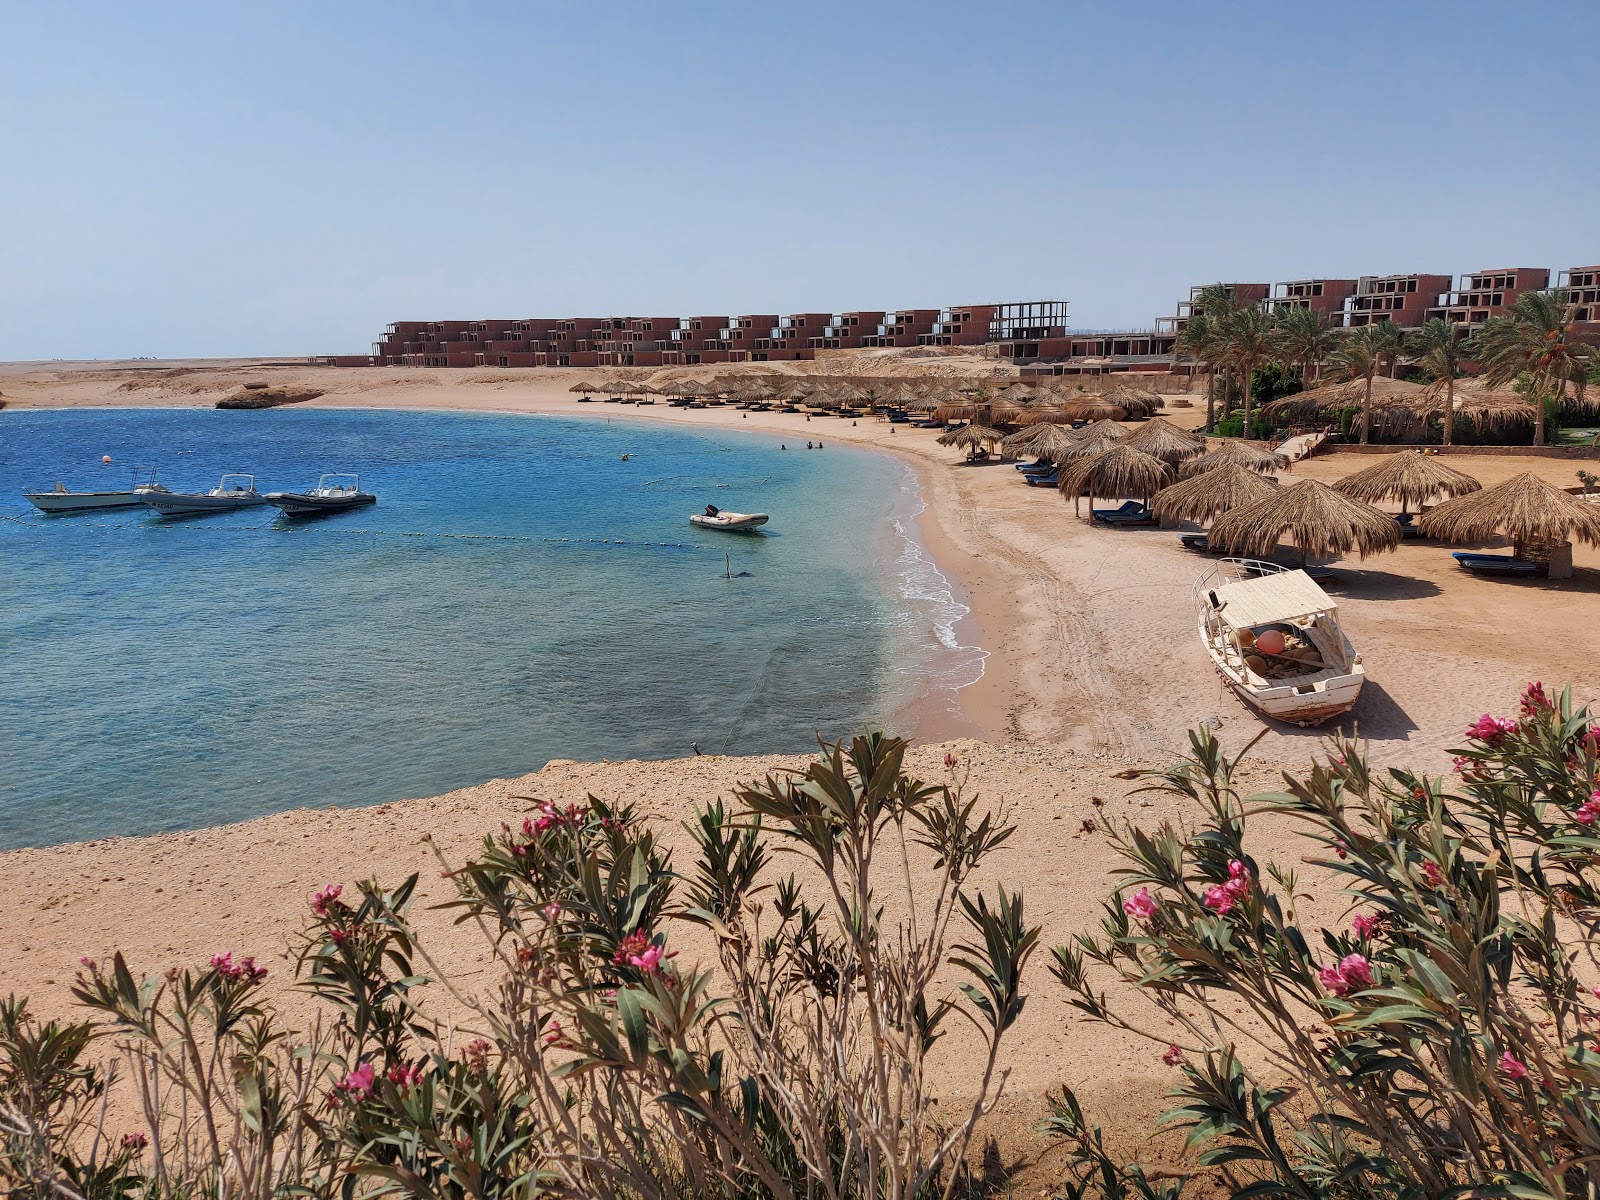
column 198, row 526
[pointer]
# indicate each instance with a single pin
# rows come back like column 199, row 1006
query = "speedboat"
column 233, row 491
column 730, row 522
column 333, row 493
column 1274, row 637
column 60, row 500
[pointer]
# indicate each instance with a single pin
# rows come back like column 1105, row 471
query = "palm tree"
column 1200, row 340
column 1436, row 348
column 1535, row 336
column 1390, row 341
column 1249, row 343
column 1305, row 337
column 1360, row 356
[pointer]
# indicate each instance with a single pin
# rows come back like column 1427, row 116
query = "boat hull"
column 1299, row 704
column 731, row 522
column 180, row 505
column 68, row 502
column 295, row 504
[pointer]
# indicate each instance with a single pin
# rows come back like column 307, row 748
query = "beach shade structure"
column 1204, row 497
column 1321, row 522
column 585, row 387
column 1118, row 472
column 1164, row 440
column 1234, row 453
column 971, row 438
column 1539, row 518
column 1075, row 410
column 1050, row 442
column 1410, row 477
column 1134, row 402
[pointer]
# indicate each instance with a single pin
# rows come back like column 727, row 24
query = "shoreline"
column 975, row 708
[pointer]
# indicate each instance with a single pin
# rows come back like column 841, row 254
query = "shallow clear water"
column 519, row 593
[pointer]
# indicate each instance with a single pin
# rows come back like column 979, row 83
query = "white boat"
column 233, row 491
column 333, row 493
column 729, row 522
column 62, row 501
column 1274, row 636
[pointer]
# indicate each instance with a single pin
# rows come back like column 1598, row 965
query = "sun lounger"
column 1043, row 467
column 1497, row 564
column 1131, row 513
column 1049, row 480
column 1195, row 541
column 1408, row 525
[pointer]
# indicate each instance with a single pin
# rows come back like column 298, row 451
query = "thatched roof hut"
column 1206, row 496
column 1321, row 522
column 1045, row 441
column 1409, row 477
column 585, row 387
column 1120, row 471
column 971, row 438
column 1164, row 440
column 1535, row 515
column 1074, row 410
column 1234, row 453
column 1402, row 409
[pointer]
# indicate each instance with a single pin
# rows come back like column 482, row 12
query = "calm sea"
column 520, row 592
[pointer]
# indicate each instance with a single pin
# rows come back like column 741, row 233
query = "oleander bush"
column 1442, row 1043
column 597, row 1063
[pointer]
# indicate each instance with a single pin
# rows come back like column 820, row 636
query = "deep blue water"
column 519, row 593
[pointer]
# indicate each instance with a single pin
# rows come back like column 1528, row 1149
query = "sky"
column 282, row 179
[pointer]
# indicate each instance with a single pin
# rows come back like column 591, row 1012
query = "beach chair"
column 1131, row 513
column 1198, row 542
column 1042, row 467
column 1049, row 480
column 1408, row 525
column 1497, row 564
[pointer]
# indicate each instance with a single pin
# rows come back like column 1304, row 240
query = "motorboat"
column 142, row 485
column 232, row 491
column 333, row 493
column 729, row 522
column 1274, row 637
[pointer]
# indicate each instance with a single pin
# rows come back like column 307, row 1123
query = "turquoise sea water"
column 519, row 593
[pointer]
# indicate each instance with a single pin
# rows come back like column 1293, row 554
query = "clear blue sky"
column 283, row 178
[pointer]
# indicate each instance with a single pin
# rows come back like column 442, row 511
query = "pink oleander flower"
column 1217, row 899
column 1588, row 810
column 554, row 1036
column 245, row 968
column 1431, row 873
column 1366, row 926
column 1238, row 885
column 134, row 1142
column 1173, row 1056
column 1141, row 905
column 1349, row 974
column 1534, row 700
column 552, row 911
column 476, row 1056
column 1513, row 1066
column 950, row 761
column 1341, row 847
column 1491, row 730
column 358, row 1084
column 404, row 1077
column 325, row 899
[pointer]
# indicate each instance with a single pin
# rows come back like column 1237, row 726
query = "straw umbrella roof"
column 584, row 387
column 971, row 437
column 1119, row 471
column 1409, row 477
column 1524, row 508
column 1205, row 496
column 1046, row 441
column 1233, row 452
column 1323, row 523
column 1164, row 440
column 1078, row 410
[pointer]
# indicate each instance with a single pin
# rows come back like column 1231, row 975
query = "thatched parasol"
column 971, row 438
column 1050, row 442
column 1535, row 515
column 1164, row 440
column 1234, row 453
column 1075, row 410
column 1205, row 496
column 585, row 387
column 1408, row 477
column 1119, row 471
column 1321, row 522
column 1134, row 401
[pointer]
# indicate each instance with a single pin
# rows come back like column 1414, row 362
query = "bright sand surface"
column 1094, row 665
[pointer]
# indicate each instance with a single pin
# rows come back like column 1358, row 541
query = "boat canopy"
column 1282, row 597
